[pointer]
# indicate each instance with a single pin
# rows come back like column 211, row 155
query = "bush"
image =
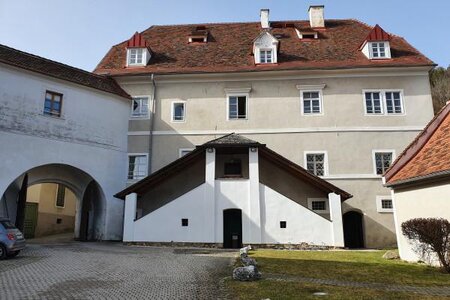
column 433, row 237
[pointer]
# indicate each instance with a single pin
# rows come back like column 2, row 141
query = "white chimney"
column 316, row 18
column 264, row 14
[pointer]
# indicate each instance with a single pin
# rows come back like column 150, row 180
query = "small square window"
column 58, row 221
column 318, row 205
column 378, row 50
column 136, row 56
column 137, row 167
column 312, row 103
column 384, row 204
column 383, row 161
column 184, row 222
column 178, row 111
column 283, row 224
column 265, row 56
column 53, row 104
column 237, row 107
column 315, row 163
column 233, row 168
column 139, row 107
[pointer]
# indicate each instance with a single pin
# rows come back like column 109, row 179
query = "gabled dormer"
column 199, row 34
column 265, row 48
column 138, row 53
column 376, row 45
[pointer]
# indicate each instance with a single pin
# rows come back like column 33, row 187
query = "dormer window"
column 307, row 34
column 265, row 48
column 138, row 53
column 199, row 35
column 265, row 56
column 376, row 45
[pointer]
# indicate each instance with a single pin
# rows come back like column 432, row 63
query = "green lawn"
column 360, row 266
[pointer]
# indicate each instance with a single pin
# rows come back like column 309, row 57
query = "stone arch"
column 83, row 185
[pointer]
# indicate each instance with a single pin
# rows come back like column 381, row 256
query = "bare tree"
column 440, row 87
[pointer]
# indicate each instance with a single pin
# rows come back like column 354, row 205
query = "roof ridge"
column 444, row 112
column 53, row 61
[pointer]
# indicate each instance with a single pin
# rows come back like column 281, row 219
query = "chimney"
column 264, row 14
column 316, row 19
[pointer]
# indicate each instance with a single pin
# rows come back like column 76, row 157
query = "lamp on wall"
column 253, row 149
column 210, row 150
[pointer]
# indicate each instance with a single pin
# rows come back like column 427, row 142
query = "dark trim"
column 420, row 179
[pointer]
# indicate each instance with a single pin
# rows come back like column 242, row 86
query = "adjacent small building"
column 233, row 190
column 420, row 179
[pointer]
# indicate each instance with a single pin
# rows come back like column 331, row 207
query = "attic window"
column 199, row 35
column 197, row 40
column 135, row 56
column 378, row 49
column 307, row 34
column 138, row 53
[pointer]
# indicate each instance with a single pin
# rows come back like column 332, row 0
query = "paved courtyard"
column 113, row 271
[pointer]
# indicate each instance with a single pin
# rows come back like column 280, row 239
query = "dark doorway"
column 353, row 230
column 232, row 228
column 21, row 203
column 86, row 211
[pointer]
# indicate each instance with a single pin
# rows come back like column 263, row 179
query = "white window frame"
column 374, row 162
column 265, row 57
column 383, row 102
column 180, row 151
column 325, row 162
column 128, row 166
column 172, row 111
column 147, row 116
column 240, row 92
column 387, row 50
column 327, row 206
column 380, row 208
column 145, row 57
column 302, row 103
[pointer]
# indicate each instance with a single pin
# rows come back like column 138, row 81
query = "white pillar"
column 337, row 227
column 129, row 217
column 210, row 197
column 254, row 205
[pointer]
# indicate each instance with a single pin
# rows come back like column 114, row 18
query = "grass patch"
column 360, row 266
column 275, row 290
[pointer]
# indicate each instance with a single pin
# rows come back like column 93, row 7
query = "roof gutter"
column 419, row 179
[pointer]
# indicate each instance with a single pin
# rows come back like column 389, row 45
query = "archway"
column 90, row 199
column 232, row 228
column 353, row 229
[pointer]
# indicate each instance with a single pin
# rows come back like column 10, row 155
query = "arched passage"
column 90, row 199
column 353, row 229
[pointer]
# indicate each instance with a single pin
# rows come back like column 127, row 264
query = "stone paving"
column 113, row 271
column 431, row 291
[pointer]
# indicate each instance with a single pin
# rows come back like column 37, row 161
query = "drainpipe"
column 152, row 124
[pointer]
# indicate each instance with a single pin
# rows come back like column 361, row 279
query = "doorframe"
column 362, row 226
column 225, row 211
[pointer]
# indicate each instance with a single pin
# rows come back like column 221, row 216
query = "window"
column 184, row 222
column 60, row 195
column 237, row 107
column 52, row 104
column 139, row 107
column 178, row 111
column 136, row 56
column 265, row 56
column 233, row 168
column 318, row 205
column 383, row 102
column 58, row 221
column 383, row 160
column 384, row 204
column 183, row 151
column 137, row 166
column 378, row 50
column 311, row 102
column 316, row 163
column 283, row 224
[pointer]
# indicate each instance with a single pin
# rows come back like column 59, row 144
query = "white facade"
column 262, row 211
column 421, row 201
column 88, row 143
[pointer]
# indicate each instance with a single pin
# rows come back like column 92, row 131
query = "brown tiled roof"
column 232, row 139
column 428, row 156
column 58, row 70
column 229, row 49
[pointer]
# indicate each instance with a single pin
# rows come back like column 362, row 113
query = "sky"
column 80, row 32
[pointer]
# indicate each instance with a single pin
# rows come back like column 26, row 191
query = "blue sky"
column 80, row 32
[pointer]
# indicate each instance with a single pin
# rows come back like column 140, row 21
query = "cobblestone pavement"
column 431, row 291
column 113, row 271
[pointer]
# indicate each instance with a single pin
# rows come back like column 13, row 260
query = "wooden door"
column 30, row 222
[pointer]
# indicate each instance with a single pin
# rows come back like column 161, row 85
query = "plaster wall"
column 419, row 201
column 90, row 136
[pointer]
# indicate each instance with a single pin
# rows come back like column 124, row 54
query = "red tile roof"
column 378, row 34
column 137, row 41
column 33, row 63
column 427, row 156
column 229, row 49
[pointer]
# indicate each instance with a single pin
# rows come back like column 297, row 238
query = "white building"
column 230, row 191
column 62, row 125
column 420, row 180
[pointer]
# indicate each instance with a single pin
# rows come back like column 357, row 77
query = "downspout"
column 152, row 124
